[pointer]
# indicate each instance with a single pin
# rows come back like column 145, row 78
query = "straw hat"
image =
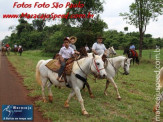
column 74, row 39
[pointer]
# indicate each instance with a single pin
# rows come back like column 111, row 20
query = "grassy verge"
column 137, row 91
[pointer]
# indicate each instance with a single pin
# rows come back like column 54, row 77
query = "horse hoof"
column 44, row 100
column 105, row 94
column 85, row 113
column 66, row 105
column 119, row 98
column 92, row 96
column 50, row 99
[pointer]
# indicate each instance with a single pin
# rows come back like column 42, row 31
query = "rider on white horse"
column 65, row 53
column 98, row 47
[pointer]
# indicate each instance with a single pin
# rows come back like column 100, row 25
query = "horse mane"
column 82, row 61
column 161, row 77
column 116, row 61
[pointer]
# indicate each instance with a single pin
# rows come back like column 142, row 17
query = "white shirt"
column 15, row 45
column 66, row 52
column 99, row 48
column 87, row 48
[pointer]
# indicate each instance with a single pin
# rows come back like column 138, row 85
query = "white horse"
column 81, row 69
column 110, row 52
column 112, row 66
column 156, row 107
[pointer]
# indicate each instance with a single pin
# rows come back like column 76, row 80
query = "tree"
column 89, row 27
column 39, row 24
column 141, row 12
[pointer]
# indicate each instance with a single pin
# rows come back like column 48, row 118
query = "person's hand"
column 61, row 58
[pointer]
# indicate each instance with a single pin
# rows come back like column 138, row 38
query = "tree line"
column 37, row 35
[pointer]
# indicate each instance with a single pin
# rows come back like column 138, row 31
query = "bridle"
column 96, row 67
column 124, row 68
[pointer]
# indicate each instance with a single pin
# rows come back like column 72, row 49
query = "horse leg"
column 133, row 60
column 44, row 81
column 107, row 84
column 50, row 94
column 66, row 105
column 80, row 99
column 89, row 90
column 116, row 88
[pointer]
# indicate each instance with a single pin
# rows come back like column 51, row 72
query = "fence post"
column 150, row 55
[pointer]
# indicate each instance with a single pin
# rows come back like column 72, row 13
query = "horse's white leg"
column 50, row 94
column 78, row 94
column 116, row 88
column 44, row 81
column 69, row 97
column 107, row 84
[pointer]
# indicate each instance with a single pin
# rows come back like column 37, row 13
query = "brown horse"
column 20, row 50
column 16, row 50
column 6, row 50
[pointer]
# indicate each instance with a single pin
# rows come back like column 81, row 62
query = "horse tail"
column 38, row 79
column 161, row 77
column 137, row 60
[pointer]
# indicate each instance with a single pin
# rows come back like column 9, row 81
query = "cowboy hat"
column 73, row 37
column 100, row 37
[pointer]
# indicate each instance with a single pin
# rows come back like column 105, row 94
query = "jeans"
column 60, row 71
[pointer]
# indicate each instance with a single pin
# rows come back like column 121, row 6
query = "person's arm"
column 134, row 47
column 60, row 55
column 105, row 50
column 93, row 48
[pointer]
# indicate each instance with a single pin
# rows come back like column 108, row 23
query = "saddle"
column 134, row 53
column 55, row 65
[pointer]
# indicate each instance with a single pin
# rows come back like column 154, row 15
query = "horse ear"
column 130, row 59
column 93, row 55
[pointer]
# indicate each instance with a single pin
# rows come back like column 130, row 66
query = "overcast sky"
column 112, row 8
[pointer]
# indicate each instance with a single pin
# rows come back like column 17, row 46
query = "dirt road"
column 12, row 92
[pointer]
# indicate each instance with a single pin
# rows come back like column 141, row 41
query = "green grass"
column 137, row 91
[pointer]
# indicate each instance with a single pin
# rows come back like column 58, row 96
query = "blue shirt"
column 132, row 47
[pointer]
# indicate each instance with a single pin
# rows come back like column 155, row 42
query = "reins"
column 96, row 67
column 118, row 71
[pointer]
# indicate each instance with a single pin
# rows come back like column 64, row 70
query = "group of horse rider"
column 15, row 46
column 69, row 50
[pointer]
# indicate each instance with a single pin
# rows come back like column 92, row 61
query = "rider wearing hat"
column 98, row 47
column 65, row 53
column 73, row 40
column 132, row 49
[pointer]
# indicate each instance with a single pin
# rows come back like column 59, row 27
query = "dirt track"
column 12, row 92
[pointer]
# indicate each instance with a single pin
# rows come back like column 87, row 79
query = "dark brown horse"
column 20, row 50
column 16, row 50
column 131, row 54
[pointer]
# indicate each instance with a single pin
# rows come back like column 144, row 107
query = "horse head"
column 110, row 51
column 97, row 66
column 126, row 65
